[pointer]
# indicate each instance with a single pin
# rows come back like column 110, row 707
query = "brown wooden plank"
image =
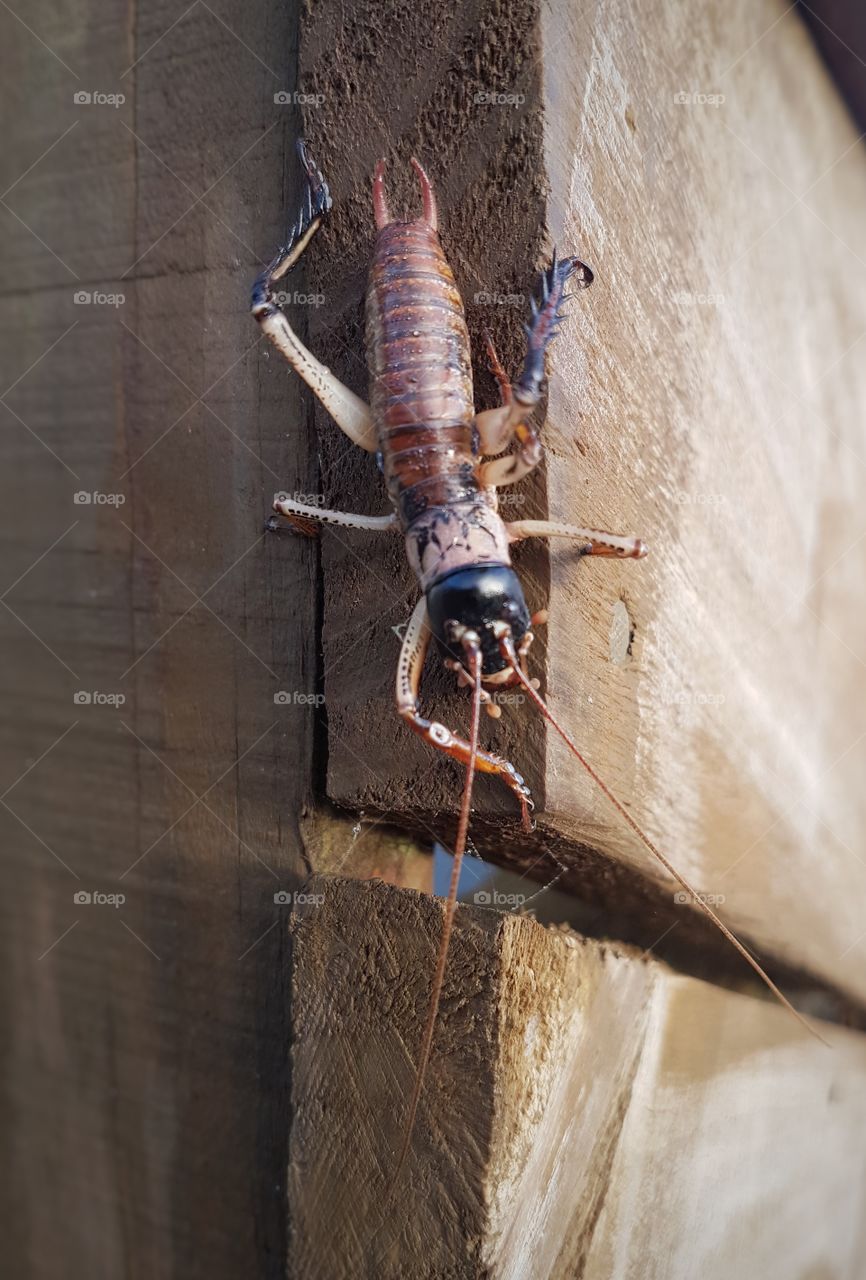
column 144, row 1095
column 705, row 393
column 587, row 1111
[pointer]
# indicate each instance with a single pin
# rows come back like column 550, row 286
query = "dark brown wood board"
column 145, row 1095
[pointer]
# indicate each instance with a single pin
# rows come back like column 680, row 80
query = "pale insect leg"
column 597, row 541
column 301, row 513
column 349, row 411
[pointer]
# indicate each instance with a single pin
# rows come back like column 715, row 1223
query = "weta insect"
column 443, row 464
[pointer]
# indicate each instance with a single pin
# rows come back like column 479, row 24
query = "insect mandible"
column 443, row 464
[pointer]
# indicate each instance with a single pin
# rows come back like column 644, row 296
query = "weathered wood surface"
column 587, row 1113
column 144, row 1088
column 144, row 1100
column 706, row 393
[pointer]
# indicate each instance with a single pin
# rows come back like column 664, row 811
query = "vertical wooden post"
column 144, row 1088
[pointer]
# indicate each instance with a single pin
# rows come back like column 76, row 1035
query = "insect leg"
column 495, row 366
column 349, row 411
column 409, row 668
column 497, row 427
column 513, row 466
column 546, row 315
column 597, row 541
column 301, row 515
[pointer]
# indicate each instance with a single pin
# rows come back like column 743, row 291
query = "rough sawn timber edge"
column 713, row 729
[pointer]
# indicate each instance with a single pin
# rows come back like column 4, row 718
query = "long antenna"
column 507, row 647
column 474, row 662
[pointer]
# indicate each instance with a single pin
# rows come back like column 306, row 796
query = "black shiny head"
column 477, row 597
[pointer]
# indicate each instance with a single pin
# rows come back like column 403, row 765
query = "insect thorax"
column 443, row 539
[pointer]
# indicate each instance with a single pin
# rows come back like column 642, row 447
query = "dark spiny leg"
column 546, row 315
column 496, row 427
column 409, row 667
column 317, row 205
column 349, row 412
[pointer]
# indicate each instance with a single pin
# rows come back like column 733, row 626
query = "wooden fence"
column 200, row 1081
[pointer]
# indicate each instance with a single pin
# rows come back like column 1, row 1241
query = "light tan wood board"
column 719, row 396
column 588, row 1113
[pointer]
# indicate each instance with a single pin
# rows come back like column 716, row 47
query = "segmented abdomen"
column 420, row 372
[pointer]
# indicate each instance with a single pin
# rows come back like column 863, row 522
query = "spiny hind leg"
column 597, row 541
column 303, row 517
column 349, row 411
column 498, row 427
column 409, row 667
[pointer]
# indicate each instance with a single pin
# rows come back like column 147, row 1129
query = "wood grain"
column 144, row 1103
column 145, row 1093
column 705, row 394
column 588, row 1113
column 729, row 433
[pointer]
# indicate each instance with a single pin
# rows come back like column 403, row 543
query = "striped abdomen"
column 420, row 372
